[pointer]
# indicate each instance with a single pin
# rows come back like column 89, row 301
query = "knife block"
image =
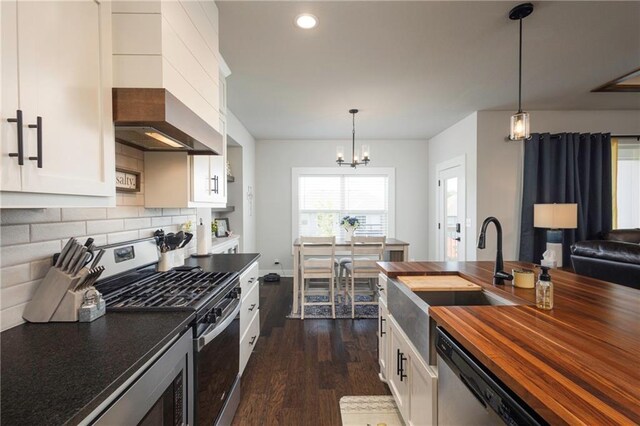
column 68, row 308
column 50, row 293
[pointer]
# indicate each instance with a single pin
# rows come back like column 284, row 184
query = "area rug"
column 343, row 310
column 369, row 410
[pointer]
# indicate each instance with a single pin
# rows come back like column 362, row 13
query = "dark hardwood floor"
column 300, row 369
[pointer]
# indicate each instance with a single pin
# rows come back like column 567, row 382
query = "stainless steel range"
column 133, row 284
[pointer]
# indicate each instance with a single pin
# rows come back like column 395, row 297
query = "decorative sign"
column 127, row 181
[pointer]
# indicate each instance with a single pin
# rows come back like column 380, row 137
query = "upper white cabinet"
column 171, row 45
column 56, row 128
column 176, row 179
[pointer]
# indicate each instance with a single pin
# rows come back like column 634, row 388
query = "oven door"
column 217, row 366
column 160, row 396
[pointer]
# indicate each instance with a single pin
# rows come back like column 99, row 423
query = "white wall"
column 239, row 133
column 500, row 162
column 458, row 140
column 273, row 192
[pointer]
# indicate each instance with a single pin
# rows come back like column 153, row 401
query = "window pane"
column 324, row 200
column 320, row 192
column 628, row 186
column 366, row 193
column 319, row 224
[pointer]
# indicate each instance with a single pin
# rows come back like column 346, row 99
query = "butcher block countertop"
column 575, row 364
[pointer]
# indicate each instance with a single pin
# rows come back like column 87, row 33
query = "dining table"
column 395, row 251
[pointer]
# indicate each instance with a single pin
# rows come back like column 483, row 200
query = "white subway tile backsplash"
column 161, row 221
column 179, row 220
column 54, row 231
column 137, row 223
column 14, row 234
column 14, row 275
column 83, row 214
column 188, row 211
column 18, row 294
column 144, row 212
column 105, row 226
column 146, row 233
column 19, row 216
column 12, row 316
column 122, row 236
column 170, row 212
column 122, row 212
column 15, row 255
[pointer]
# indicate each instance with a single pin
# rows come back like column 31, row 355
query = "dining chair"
column 317, row 257
column 365, row 252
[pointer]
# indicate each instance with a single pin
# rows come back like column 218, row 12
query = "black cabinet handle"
column 253, row 340
column 38, row 126
column 20, row 153
column 252, row 307
column 398, row 363
column 382, row 333
column 402, row 360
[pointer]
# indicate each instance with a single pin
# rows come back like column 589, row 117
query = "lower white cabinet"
column 412, row 382
column 383, row 339
column 249, row 313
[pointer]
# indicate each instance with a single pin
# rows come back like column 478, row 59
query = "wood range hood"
column 155, row 120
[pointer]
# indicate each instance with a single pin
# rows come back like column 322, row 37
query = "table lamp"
column 555, row 217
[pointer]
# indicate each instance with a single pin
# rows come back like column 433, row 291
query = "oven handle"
column 218, row 328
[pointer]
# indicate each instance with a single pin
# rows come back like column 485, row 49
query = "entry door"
column 451, row 213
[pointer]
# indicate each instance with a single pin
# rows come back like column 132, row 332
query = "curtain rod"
column 626, row 136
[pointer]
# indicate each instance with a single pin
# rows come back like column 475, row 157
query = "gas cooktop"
column 150, row 290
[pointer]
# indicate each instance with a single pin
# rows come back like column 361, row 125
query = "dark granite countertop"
column 59, row 373
column 224, row 262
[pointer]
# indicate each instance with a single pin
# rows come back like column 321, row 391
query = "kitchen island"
column 575, row 364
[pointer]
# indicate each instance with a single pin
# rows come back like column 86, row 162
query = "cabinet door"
column 65, row 78
column 422, row 388
column 10, row 173
column 398, row 369
column 383, row 338
column 202, row 184
column 218, row 178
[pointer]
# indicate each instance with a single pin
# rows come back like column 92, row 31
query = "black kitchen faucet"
column 499, row 275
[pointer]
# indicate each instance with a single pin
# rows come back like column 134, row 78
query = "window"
column 627, row 183
column 323, row 196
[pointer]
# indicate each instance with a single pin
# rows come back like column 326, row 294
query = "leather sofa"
column 614, row 257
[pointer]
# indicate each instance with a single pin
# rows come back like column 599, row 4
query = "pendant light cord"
column 520, row 71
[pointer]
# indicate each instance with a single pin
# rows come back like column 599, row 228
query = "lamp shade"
column 555, row 216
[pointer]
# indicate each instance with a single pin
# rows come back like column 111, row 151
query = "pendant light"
column 520, row 120
column 355, row 156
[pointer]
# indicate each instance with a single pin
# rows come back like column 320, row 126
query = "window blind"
column 324, row 200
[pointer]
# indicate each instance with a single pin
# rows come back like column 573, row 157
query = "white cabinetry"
column 56, row 70
column 176, row 179
column 249, row 313
column 412, row 382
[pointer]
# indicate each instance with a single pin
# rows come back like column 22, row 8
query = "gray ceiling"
column 415, row 68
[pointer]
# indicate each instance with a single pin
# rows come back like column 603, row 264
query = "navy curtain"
column 566, row 168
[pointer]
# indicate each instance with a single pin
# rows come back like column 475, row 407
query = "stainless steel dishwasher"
column 470, row 395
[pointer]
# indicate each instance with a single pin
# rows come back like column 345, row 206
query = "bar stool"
column 320, row 266
column 365, row 252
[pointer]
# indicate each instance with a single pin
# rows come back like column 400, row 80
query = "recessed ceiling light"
column 306, row 21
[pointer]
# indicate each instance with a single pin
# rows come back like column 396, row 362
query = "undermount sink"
column 461, row 298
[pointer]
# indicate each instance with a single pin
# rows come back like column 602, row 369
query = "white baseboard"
column 282, row 273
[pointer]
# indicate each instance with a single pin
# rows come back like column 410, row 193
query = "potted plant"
column 350, row 224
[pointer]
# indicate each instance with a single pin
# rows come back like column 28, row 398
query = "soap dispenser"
column 544, row 290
